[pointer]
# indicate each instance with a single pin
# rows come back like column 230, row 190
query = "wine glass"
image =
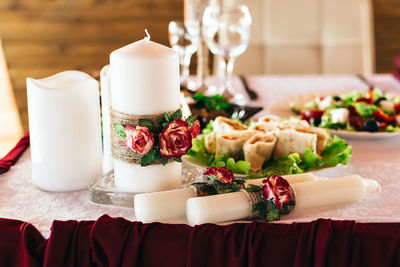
column 193, row 15
column 185, row 45
column 226, row 29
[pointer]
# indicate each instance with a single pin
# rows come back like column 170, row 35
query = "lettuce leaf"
column 364, row 109
column 336, row 152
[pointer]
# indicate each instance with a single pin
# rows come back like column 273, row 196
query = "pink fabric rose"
column 175, row 139
column 195, row 129
column 278, row 189
column 221, row 174
column 138, row 139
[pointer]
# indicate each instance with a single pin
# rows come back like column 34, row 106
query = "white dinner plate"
column 197, row 165
column 281, row 108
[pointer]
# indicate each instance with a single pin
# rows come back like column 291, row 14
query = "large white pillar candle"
column 105, row 85
column 65, row 134
column 236, row 206
column 158, row 206
column 145, row 81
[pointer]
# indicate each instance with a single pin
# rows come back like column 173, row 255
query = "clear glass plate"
column 103, row 190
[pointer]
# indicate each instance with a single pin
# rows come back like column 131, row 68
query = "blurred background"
column 40, row 38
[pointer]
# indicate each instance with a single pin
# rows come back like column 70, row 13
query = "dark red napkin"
column 11, row 158
column 396, row 73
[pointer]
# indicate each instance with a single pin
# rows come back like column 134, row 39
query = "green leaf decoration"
column 119, row 128
column 177, row 159
column 261, row 209
column 149, row 158
column 272, row 212
column 253, row 188
column 167, row 117
column 165, row 161
column 191, row 119
column 177, row 115
column 146, row 123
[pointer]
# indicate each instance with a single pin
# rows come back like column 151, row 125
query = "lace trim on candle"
column 118, row 149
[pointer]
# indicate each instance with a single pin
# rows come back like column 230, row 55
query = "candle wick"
column 148, row 35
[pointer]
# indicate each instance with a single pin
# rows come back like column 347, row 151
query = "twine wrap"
column 119, row 151
column 254, row 198
column 202, row 189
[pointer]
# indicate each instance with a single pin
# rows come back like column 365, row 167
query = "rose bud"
column 278, row 189
column 221, row 174
column 175, row 139
column 138, row 139
column 195, row 129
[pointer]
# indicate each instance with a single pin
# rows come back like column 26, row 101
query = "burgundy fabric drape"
column 11, row 158
column 118, row 242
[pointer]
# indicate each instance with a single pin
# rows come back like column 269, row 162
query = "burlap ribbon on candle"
column 209, row 188
column 118, row 150
column 255, row 198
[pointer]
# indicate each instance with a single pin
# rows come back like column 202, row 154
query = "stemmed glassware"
column 193, row 15
column 226, row 29
column 185, row 44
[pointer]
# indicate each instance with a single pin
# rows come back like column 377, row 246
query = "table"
column 379, row 160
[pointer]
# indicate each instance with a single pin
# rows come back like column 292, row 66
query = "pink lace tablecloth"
column 376, row 159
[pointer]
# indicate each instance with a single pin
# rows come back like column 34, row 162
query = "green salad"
column 336, row 151
column 370, row 111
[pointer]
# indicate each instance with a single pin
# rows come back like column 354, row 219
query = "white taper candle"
column 105, row 84
column 236, row 206
column 158, row 206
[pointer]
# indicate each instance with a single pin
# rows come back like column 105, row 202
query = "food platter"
column 282, row 109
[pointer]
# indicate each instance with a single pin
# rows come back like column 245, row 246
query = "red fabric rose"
column 138, row 139
column 278, row 189
column 175, row 139
column 195, row 129
column 221, row 174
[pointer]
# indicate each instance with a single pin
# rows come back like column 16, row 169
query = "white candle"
column 145, row 81
column 65, row 134
column 236, row 206
column 344, row 189
column 158, row 206
column 105, row 111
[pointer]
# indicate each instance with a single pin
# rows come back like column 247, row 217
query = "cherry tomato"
column 381, row 116
column 308, row 114
column 365, row 100
column 382, row 125
column 397, row 108
column 370, row 95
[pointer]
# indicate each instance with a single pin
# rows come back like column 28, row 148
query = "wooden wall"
column 387, row 33
column 42, row 37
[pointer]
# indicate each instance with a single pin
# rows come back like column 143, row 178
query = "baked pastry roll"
column 264, row 127
column 258, row 149
column 211, row 142
column 322, row 137
column 222, row 124
column 291, row 141
column 232, row 143
column 268, row 119
column 293, row 124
